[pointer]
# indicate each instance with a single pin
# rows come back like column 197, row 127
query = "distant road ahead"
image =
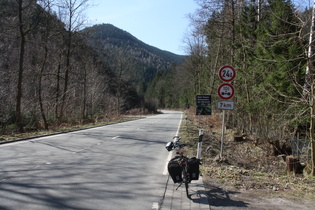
column 112, row 167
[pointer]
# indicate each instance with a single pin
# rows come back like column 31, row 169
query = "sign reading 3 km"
column 227, row 73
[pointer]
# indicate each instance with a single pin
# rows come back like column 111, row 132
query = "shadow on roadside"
column 220, row 197
column 217, row 197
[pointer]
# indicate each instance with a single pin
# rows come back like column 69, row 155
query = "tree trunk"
column 309, row 82
column 58, row 90
column 312, row 124
column 309, row 66
column 84, row 115
column 258, row 10
column 65, row 88
column 293, row 165
column 20, row 70
column 40, row 89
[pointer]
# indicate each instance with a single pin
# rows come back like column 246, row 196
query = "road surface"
column 112, row 167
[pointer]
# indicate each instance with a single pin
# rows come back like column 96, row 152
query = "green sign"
column 203, row 104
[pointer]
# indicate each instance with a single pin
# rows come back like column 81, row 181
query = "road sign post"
column 222, row 137
column 199, row 144
column 226, row 91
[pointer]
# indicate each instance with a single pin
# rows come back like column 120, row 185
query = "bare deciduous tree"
column 71, row 13
column 310, row 82
column 26, row 23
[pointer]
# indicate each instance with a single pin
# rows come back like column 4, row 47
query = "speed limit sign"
column 227, row 73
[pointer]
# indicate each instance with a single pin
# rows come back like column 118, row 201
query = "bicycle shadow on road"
column 217, row 197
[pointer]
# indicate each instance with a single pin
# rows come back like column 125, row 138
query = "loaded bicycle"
column 181, row 168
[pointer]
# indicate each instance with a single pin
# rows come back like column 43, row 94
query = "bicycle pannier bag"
column 193, row 168
column 175, row 171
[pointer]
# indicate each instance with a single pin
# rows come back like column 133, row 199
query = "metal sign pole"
column 226, row 91
column 222, row 138
column 200, row 144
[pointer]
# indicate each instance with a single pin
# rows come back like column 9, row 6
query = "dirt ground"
column 222, row 196
column 247, row 177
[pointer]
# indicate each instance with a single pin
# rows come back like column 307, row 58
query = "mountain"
column 129, row 57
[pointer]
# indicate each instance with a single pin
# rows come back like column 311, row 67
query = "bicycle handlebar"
column 177, row 138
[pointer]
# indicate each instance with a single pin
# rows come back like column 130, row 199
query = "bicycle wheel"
column 186, row 181
column 186, row 186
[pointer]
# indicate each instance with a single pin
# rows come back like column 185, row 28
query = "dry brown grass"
column 245, row 166
column 31, row 133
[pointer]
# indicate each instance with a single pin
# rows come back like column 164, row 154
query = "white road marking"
column 170, row 154
column 115, row 137
column 165, row 172
column 155, row 206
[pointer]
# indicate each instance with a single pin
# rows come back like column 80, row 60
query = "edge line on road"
column 170, row 154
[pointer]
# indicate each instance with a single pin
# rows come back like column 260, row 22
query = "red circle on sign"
column 224, row 75
column 226, row 91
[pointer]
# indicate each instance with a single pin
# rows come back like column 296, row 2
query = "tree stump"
column 293, row 164
column 238, row 138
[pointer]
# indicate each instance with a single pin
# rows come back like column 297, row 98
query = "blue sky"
column 160, row 23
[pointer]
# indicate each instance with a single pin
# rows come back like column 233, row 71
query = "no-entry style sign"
column 227, row 73
column 226, row 91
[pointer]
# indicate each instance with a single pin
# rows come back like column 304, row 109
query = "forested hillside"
column 130, row 58
column 268, row 44
column 54, row 72
column 50, row 75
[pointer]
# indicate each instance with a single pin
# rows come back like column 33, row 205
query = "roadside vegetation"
column 270, row 45
column 12, row 135
column 245, row 166
column 51, row 79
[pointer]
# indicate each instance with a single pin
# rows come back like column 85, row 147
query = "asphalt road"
column 112, row 167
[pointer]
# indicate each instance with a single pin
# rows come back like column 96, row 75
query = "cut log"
column 293, row 164
column 238, row 138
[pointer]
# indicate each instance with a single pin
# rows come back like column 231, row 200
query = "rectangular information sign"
column 203, row 104
column 226, row 105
